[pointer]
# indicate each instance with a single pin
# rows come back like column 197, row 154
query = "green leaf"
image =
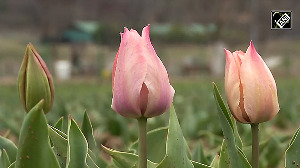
column 156, row 139
column 10, row 148
column 87, row 131
column 12, row 165
column 4, row 160
column 222, row 106
column 200, row 165
column 228, row 130
column 243, row 158
column 59, row 124
column 215, row 162
column 292, row 154
column 60, row 144
column 238, row 140
column 90, row 162
column 77, row 146
column 126, row 160
column 267, row 154
column 176, row 154
column 198, row 155
column 224, row 161
column 34, row 147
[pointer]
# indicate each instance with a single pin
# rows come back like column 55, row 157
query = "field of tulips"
column 195, row 108
column 84, row 125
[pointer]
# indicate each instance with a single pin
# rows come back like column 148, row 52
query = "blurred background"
column 79, row 40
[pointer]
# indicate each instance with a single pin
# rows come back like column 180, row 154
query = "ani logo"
column 281, row 19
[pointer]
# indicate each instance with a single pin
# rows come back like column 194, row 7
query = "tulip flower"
column 140, row 81
column 35, row 81
column 250, row 87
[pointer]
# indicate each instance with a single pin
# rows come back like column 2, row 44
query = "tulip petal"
column 161, row 93
column 260, row 92
column 22, row 77
column 232, row 85
column 129, row 73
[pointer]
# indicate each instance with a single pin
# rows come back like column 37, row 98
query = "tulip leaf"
column 87, row 131
column 59, row 124
column 126, row 160
column 198, row 154
column 215, row 162
column 91, row 160
column 60, row 144
column 12, row 165
column 176, row 153
column 77, row 146
column 34, row 146
column 9, row 147
column 228, row 130
column 224, row 161
column 4, row 160
column 237, row 137
column 200, row 165
column 292, row 154
column 158, row 148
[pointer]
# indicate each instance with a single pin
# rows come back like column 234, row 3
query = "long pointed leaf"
column 228, row 130
column 77, row 146
column 60, row 144
column 126, row 160
column 4, row 160
column 59, row 123
column 200, row 165
column 176, row 154
column 292, row 154
column 10, row 148
column 87, row 131
column 34, row 146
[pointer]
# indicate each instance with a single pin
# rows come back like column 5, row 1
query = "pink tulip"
column 250, row 87
column 140, row 82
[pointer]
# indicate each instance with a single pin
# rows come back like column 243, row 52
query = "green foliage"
column 34, row 147
column 87, row 131
column 195, row 113
column 126, row 160
column 77, row 146
column 60, row 144
column 60, row 123
column 9, row 147
column 228, row 131
column 176, row 153
column 158, row 148
column 4, row 160
column 175, row 149
column 198, row 155
column 292, row 154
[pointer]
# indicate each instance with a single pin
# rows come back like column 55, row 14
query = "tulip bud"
column 35, row 81
column 250, row 87
column 140, row 81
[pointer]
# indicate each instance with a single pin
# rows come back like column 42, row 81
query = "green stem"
column 142, row 142
column 255, row 145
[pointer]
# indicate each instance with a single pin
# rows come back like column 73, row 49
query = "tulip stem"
column 142, row 142
column 255, row 145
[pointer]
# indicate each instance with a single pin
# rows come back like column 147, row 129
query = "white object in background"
column 62, row 69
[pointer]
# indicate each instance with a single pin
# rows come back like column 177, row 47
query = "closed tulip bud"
column 140, row 81
column 35, row 81
column 250, row 87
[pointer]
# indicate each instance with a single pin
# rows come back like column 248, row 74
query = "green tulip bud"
column 35, row 81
